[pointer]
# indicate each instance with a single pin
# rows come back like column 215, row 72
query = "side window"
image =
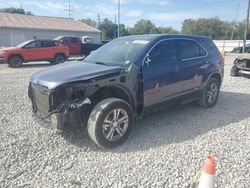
column 39, row 44
column 164, row 52
column 190, row 49
column 47, row 44
column 74, row 40
column 31, row 45
column 66, row 40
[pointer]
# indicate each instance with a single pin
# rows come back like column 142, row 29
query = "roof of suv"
column 162, row 36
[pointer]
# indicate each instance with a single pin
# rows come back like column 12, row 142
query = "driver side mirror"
column 147, row 60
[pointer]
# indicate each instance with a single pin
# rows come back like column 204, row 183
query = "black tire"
column 235, row 71
column 97, row 130
column 15, row 61
column 59, row 58
column 210, row 93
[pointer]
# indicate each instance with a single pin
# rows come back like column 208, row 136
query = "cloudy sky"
column 161, row 12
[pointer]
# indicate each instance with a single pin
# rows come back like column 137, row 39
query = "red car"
column 73, row 43
column 77, row 46
column 35, row 50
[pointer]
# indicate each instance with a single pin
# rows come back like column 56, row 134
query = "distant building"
column 17, row 28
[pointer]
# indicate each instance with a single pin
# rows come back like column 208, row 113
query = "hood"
column 9, row 49
column 71, row 71
column 243, row 56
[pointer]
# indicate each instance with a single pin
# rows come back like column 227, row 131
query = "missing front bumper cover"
column 58, row 119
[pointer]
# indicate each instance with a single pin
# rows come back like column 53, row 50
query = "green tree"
column 123, row 30
column 213, row 27
column 108, row 29
column 239, row 30
column 167, row 30
column 89, row 22
column 142, row 27
column 15, row 10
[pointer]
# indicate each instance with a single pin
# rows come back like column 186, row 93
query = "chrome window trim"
column 176, row 39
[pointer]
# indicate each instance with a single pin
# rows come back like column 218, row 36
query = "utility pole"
column 246, row 28
column 69, row 9
column 115, row 29
column 99, row 20
column 118, row 27
column 236, row 18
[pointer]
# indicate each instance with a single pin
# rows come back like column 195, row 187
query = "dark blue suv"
column 127, row 78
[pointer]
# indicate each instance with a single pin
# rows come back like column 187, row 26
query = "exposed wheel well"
column 104, row 93
column 59, row 54
column 110, row 91
column 218, row 77
column 15, row 55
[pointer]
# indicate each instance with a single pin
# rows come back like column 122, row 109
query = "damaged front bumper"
column 69, row 114
column 244, row 72
column 243, row 64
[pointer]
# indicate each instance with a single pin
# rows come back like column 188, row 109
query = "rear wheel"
column 15, row 61
column 210, row 93
column 59, row 58
column 110, row 122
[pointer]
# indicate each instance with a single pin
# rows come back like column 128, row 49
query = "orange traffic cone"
column 207, row 179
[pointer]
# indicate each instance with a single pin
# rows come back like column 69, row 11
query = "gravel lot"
column 164, row 150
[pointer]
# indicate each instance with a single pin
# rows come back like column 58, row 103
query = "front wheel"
column 110, row 122
column 59, row 58
column 15, row 61
column 210, row 93
column 235, row 71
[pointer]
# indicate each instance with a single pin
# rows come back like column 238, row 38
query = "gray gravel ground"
column 164, row 150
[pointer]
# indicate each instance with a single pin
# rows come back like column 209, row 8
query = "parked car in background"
column 240, row 49
column 87, row 39
column 35, row 50
column 241, row 65
column 77, row 46
column 128, row 78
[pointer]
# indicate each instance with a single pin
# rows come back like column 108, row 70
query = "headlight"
column 242, row 63
column 74, row 92
column 2, row 52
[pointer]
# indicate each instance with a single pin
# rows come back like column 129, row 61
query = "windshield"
column 23, row 44
column 118, row 52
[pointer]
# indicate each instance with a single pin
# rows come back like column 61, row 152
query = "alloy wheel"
column 212, row 93
column 115, row 124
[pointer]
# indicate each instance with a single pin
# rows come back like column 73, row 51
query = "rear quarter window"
column 191, row 49
column 74, row 40
column 210, row 46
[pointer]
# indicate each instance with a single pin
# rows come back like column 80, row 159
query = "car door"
column 161, row 73
column 76, row 45
column 29, row 51
column 46, row 50
column 67, row 42
column 193, row 64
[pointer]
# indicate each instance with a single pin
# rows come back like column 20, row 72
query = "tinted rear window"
column 74, row 40
column 190, row 49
